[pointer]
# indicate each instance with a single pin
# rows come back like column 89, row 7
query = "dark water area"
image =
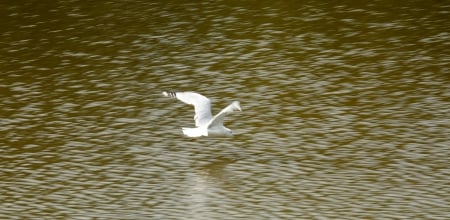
column 345, row 109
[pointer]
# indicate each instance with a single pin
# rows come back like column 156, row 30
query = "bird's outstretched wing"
column 217, row 120
column 202, row 105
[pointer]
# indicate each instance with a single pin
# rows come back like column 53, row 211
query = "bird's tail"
column 194, row 132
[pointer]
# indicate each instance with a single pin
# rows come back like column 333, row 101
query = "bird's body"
column 206, row 124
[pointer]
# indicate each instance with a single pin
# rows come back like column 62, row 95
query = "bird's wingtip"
column 169, row 94
column 237, row 104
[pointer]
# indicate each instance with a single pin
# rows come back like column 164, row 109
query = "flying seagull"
column 206, row 124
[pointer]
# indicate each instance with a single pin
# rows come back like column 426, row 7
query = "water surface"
column 345, row 110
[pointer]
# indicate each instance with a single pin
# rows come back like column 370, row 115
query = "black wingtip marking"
column 170, row 94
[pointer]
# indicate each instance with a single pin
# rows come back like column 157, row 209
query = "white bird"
column 206, row 125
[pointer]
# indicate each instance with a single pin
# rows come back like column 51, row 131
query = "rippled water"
column 345, row 110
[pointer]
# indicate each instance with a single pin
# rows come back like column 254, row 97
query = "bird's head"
column 228, row 133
